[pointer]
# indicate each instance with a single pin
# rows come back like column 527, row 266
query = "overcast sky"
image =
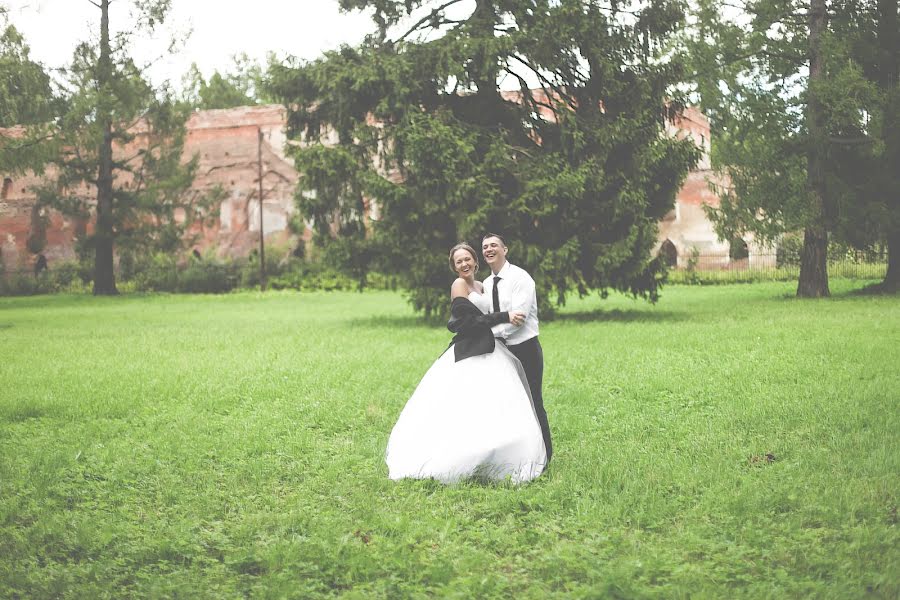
column 220, row 29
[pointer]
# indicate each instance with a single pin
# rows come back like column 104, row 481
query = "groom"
column 511, row 288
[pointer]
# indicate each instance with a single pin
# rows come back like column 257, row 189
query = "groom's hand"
column 516, row 317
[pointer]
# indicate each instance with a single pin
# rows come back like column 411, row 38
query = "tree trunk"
column 891, row 281
column 813, row 259
column 814, row 263
column 889, row 46
column 104, row 275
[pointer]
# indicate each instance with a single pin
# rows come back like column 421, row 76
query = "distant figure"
column 40, row 264
column 196, row 254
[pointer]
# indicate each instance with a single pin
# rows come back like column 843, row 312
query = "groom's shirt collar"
column 504, row 272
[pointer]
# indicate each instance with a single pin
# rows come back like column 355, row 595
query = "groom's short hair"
column 496, row 235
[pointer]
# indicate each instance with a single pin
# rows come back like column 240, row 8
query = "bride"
column 472, row 414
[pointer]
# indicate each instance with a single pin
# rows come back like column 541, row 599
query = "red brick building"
column 226, row 142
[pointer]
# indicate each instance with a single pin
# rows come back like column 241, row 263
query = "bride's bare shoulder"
column 459, row 288
column 479, row 287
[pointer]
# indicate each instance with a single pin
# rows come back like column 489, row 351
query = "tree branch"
column 434, row 12
column 569, row 100
column 743, row 7
column 26, row 144
column 855, row 141
column 529, row 98
column 754, row 54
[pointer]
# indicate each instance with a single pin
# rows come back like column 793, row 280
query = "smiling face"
column 494, row 251
column 464, row 263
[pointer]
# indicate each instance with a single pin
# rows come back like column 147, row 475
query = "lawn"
column 730, row 441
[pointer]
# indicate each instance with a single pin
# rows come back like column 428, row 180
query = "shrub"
column 787, row 254
column 207, row 277
column 65, row 273
column 26, row 284
column 276, row 265
column 159, row 273
column 307, row 276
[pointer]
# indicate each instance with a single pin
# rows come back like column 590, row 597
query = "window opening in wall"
column 738, row 249
column 669, row 253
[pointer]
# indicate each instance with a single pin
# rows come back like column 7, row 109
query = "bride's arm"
column 467, row 317
column 468, row 322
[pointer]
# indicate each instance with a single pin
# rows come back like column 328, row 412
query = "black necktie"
column 495, row 293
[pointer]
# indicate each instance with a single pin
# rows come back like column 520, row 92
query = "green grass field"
column 730, row 441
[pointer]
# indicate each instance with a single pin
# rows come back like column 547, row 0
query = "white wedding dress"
column 472, row 418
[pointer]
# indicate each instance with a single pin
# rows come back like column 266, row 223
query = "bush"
column 159, row 273
column 787, row 254
column 207, row 277
column 65, row 273
column 26, row 284
column 380, row 281
column 62, row 276
column 304, row 276
column 276, row 265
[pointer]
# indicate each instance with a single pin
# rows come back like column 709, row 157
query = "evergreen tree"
column 123, row 140
column 800, row 124
column 572, row 165
column 888, row 78
column 26, row 93
column 868, row 154
column 242, row 86
column 27, row 98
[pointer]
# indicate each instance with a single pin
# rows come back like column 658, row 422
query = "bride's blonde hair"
column 467, row 248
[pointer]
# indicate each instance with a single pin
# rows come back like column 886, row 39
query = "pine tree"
column 572, row 164
column 27, row 99
column 799, row 123
column 123, row 140
column 243, row 85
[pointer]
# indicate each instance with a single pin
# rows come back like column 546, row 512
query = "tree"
column 243, row 86
column 27, row 98
column 573, row 164
column 125, row 139
column 26, row 93
column 888, row 77
column 864, row 152
column 876, row 179
column 797, row 123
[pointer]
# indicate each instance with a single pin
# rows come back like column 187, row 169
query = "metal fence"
column 694, row 268
column 777, row 266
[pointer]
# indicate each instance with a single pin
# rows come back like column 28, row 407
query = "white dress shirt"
column 516, row 291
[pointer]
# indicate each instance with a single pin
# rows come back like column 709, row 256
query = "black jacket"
column 472, row 328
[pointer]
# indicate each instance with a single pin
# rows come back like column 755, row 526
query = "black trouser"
column 531, row 355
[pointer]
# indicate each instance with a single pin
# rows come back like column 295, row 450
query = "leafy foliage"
column 123, row 140
column 27, row 98
column 26, row 93
column 753, row 79
column 411, row 146
column 242, row 86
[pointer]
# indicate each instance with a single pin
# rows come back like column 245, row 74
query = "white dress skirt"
column 469, row 419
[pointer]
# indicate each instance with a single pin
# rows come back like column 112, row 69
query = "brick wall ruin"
column 226, row 143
